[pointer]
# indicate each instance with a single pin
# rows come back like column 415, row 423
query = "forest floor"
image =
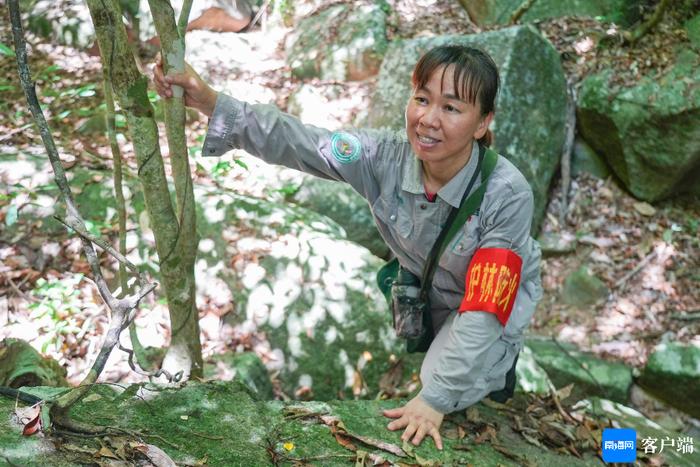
column 649, row 257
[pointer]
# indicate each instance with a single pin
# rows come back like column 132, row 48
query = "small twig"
column 567, row 149
column 557, row 402
column 76, row 226
column 151, row 374
column 522, row 9
column 259, row 14
column 581, row 365
column 632, row 37
column 20, row 292
column 620, row 283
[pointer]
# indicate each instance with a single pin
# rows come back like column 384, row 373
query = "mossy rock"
column 492, row 12
column 672, row 374
column 591, row 376
column 310, row 291
column 342, row 42
column 647, row 133
column 22, row 365
column 582, row 289
column 344, row 205
column 221, row 423
column 529, row 125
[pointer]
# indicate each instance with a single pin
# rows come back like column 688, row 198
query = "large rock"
column 309, row 291
column 490, row 12
column 21, row 365
column 582, row 288
column 648, row 133
column 672, row 374
column 342, row 42
column 222, row 424
column 345, row 206
column 591, row 376
column 530, row 116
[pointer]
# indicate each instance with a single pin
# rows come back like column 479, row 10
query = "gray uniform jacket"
column 476, row 351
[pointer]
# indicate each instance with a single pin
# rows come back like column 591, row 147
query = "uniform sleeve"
column 474, row 350
column 279, row 138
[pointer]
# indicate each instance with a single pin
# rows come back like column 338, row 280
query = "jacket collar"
column 452, row 192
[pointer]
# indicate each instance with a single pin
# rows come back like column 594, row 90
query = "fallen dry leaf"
column 156, row 455
column 34, row 423
column 645, row 209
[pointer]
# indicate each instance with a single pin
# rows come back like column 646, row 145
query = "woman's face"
column 441, row 127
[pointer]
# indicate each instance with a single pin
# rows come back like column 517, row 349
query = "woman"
column 486, row 284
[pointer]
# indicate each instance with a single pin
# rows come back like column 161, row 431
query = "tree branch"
column 632, row 37
column 566, row 152
column 120, row 309
column 522, row 9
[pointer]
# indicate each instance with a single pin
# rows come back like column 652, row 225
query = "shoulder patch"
column 492, row 282
column 345, row 147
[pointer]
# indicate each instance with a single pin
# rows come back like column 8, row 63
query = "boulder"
column 491, row 12
column 582, row 288
column 21, row 365
column 221, row 423
column 648, row 133
column 530, row 116
column 311, row 293
column 346, row 207
column 342, row 42
column 672, row 374
column 591, row 376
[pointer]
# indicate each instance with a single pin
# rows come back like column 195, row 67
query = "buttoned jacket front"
column 381, row 166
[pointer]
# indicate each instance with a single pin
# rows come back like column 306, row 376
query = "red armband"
column 492, row 282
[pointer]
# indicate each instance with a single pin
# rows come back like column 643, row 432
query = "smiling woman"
column 471, row 291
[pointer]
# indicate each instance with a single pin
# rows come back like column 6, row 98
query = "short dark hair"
column 475, row 75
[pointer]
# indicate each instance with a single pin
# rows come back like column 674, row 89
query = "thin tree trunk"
column 184, row 334
column 174, row 245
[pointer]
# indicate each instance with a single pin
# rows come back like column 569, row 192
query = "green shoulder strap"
column 471, row 204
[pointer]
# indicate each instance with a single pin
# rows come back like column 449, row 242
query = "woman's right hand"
column 198, row 94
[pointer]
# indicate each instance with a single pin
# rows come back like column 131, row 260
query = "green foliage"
column 56, row 308
column 5, row 50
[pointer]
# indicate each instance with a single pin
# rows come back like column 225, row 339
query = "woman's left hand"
column 419, row 419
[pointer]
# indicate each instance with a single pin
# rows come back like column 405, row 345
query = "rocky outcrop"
column 648, row 133
column 341, row 42
column 672, row 374
column 21, row 365
column 591, row 376
column 491, row 12
column 310, row 292
column 221, row 424
column 582, row 288
column 529, row 121
column 346, row 207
